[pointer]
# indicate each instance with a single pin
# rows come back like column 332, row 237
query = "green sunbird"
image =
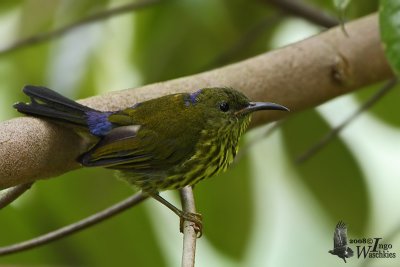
column 164, row 143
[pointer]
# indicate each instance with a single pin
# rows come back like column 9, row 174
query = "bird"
column 340, row 247
column 160, row 144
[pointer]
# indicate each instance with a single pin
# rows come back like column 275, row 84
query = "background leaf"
column 201, row 34
column 389, row 14
column 242, row 207
column 225, row 202
column 54, row 203
column 386, row 109
column 332, row 175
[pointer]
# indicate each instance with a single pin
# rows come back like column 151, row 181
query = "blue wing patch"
column 98, row 122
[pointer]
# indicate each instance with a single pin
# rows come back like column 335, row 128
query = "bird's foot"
column 195, row 218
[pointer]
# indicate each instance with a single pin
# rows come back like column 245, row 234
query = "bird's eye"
column 224, row 106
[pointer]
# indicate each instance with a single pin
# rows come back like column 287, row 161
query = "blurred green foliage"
column 385, row 109
column 169, row 40
column 228, row 196
column 332, row 175
column 389, row 25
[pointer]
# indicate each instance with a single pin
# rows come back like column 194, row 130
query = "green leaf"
column 126, row 239
column 87, row 86
column 341, row 4
column 7, row 5
column 389, row 20
column 226, row 204
column 332, row 175
column 355, row 10
column 387, row 108
column 178, row 38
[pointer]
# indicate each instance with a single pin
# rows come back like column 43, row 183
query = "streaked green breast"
column 214, row 152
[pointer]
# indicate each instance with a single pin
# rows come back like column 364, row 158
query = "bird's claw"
column 195, row 218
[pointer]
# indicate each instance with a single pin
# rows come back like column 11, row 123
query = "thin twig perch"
column 304, row 10
column 75, row 227
column 335, row 131
column 43, row 37
column 189, row 231
column 11, row 194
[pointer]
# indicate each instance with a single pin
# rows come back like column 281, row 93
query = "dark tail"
column 49, row 104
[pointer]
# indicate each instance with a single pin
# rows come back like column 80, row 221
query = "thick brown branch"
column 298, row 76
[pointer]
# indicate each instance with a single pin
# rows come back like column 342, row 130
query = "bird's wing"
column 350, row 252
column 126, row 147
column 340, row 235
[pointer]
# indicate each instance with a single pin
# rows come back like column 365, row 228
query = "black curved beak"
column 255, row 106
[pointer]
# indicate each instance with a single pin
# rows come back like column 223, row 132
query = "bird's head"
column 225, row 106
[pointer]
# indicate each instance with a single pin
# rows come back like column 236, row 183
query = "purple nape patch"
column 98, row 122
column 194, row 95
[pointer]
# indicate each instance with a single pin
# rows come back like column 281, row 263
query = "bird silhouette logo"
column 340, row 247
